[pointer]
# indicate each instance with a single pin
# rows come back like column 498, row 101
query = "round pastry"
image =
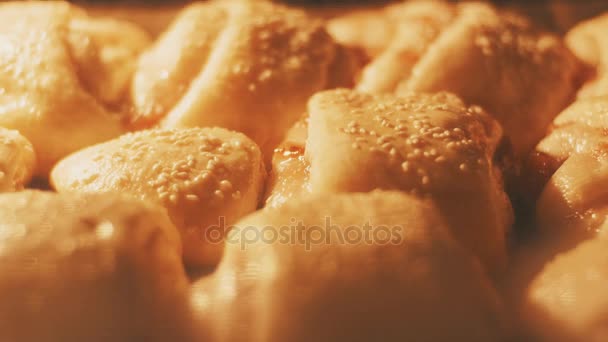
column 64, row 76
column 17, row 160
column 89, row 268
column 205, row 177
column 350, row 267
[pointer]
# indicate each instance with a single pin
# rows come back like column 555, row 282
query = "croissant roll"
column 17, row 161
column 325, row 284
column 64, row 75
column 204, row 177
column 223, row 63
column 431, row 145
column 567, row 300
column 90, row 268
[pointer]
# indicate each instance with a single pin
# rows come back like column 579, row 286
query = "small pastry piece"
column 61, row 73
column 17, row 160
column 89, row 268
column 348, row 267
column 579, row 128
column 500, row 61
column 205, row 177
column 589, row 42
column 431, row 145
column 567, row 300
column 419, row 25
column 369, row 29
column 245, row 66
column 574, row 203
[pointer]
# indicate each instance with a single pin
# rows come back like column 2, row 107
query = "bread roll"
column 430, row 145
column 521, row 75
column 89, row 268
column 245, row 66
column 17, row 160
column 567, row 300
column 205, row 177
column 350, row 267
column 63, row 76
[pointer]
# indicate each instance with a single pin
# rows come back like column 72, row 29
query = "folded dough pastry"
column 350, row 267
column 567, row 300
column 374, row 29
column 431, row 145
column 17, row 160
column 417, row 27
column 89, row 268
column 246, row 66
column 63, row 76
column 498, row 60
column 205, row 177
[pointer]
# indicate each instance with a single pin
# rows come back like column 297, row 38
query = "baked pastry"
column 63, row 76
column 418, row 25
column 589, row 42
column 205, row 177
column 17, row 160
column 349, row 267
column 498, row 60
column 89, row 268
column 430, row 145
column 567, row 300
column 224, row 63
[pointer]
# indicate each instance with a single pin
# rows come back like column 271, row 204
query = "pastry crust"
column 89, row 267
column 205, row 177
column 362, row 290
column 251, row 71
column 17, row 161
column 61, row 72
column 430, row 145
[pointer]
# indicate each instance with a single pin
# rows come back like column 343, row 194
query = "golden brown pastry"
column 397, row 275
column 417, row 27
column 500, row 61
column 246, row 66
column 518, row 73
column 89, row 268
column 17, row 160
column 567, row 300
column 205, row 177
column 431, row 145
column 63, row 74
